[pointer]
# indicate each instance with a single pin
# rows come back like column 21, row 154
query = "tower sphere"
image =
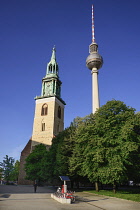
column 94, row 60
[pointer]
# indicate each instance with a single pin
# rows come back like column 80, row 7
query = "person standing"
column 35, row 186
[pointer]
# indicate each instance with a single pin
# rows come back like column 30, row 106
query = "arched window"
column 59, row 112
column 44, row 110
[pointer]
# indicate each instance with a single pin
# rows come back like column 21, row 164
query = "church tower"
column 49, row 108
column 49, row 114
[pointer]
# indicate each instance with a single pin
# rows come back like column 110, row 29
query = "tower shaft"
column 95, row 90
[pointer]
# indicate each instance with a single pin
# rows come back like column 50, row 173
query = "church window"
column 59, row 112
column 43, row 127
column 44, row 110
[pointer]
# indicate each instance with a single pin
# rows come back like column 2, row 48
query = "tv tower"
column 94, row 62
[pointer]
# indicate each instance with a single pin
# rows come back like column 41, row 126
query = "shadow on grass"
column 129, row 191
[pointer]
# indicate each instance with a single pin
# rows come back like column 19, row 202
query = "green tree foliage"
column 15, row 171
column 1, row 173
column 114, row 142
column 34, row 162
column 107, row 144
column 57, row 159
column 63, row 151
column 46, row 171
column 131, row 131
column 80, row 138
column 8, row 167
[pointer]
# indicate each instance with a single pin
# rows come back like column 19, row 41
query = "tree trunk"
column 97, row 186
column 114, row 187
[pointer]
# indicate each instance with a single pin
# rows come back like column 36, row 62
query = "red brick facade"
column 24, row 154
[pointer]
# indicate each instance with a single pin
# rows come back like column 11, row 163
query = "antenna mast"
column 93, row 36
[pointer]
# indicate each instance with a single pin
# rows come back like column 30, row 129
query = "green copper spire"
column 53, row 54
column 52, row 66
column 51, row 85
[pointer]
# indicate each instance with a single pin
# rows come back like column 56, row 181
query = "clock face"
column 48, row 88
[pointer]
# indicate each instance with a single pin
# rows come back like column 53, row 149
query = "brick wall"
column 24, row 154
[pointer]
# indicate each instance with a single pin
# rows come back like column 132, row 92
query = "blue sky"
column 30, row 29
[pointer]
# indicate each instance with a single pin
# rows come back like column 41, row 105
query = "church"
column 49, row 114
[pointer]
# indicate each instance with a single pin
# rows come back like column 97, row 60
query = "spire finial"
column 52, row 66
column 93, row 36
column 53, row 53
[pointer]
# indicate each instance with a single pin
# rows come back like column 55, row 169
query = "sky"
column 28, row 31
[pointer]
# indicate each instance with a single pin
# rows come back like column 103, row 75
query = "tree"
column 8, row 167
column 15, row 171
column 34, row 163
column 107, row 145
column 112, row 143
column 80, row 137
column 63, row 151
column 132, row 132
column 56, row 162
column 1, row 173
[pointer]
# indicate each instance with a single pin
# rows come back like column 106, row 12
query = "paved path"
column 107, row 203
column 23, row 198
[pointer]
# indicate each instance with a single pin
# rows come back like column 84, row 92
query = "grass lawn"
column 128, row 194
